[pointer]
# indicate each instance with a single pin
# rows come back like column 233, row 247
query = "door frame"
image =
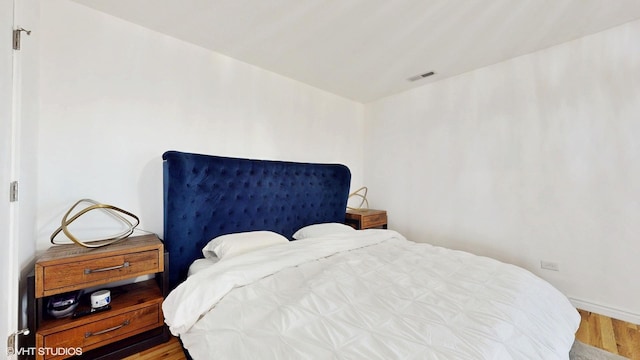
column 9, row 281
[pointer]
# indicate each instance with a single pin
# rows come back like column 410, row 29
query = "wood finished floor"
column 171, row 350
column 612, row 335
column 615, row 336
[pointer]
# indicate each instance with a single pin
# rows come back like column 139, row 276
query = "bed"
column 334, row 292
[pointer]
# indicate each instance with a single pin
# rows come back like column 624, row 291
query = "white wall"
column 115, row 96
column 535, row 158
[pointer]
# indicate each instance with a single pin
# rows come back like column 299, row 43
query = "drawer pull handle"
column 90, row 271
column 89, row 334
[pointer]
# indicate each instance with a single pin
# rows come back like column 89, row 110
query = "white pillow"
column 316, row 230
column 231, row 245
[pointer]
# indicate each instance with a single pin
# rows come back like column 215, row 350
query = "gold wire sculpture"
column 110, row 210
column 364, row 203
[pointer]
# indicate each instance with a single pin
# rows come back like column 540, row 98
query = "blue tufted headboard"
column 206, row 196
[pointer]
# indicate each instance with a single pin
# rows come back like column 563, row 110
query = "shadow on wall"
column 150, row 197
column 481, row 246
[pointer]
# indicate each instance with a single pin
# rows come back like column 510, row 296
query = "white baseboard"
column 606, row 311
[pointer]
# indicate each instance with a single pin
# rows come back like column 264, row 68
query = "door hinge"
column 13, row 191
column 16, row 37
column 11, row 341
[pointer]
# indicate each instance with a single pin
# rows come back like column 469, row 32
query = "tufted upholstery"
column 207, row 196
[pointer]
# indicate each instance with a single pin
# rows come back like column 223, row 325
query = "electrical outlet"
column 548, row 265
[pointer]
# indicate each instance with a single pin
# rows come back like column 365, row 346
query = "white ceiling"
column 366, row 49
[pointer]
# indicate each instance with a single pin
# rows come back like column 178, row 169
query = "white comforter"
column 369, row 295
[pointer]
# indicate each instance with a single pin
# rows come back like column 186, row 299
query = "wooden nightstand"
column 134, row 322
column 366, row 218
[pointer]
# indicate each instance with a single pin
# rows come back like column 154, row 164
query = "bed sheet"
column 371, row 295
column 201, row 264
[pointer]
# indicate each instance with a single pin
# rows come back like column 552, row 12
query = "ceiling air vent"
column 421, row 76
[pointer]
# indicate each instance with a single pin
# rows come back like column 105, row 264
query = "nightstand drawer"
column 103, row 331
column 82, row 274
column 374, row 221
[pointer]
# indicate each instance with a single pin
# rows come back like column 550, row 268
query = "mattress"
column 370, row 294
